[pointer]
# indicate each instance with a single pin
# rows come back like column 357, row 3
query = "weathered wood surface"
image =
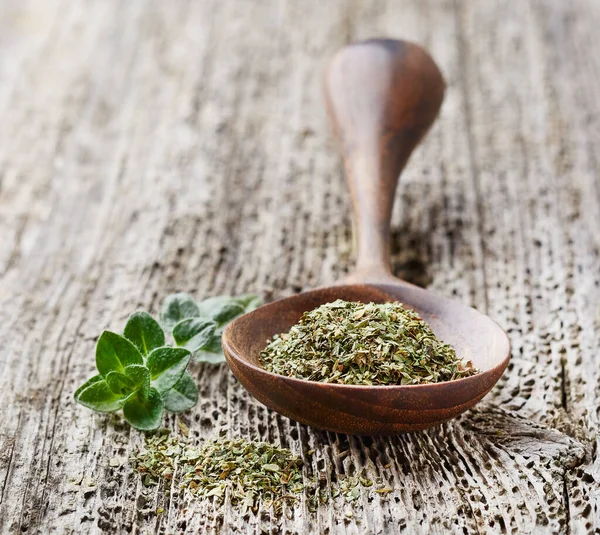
column 150, row 146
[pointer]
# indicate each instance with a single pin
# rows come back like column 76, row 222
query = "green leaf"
column 144, row 410
column 98, row 396
column 144, row 331
column 90, row 381
column 114, row 352
column 139, row 374
column 166, row 366
column 212, row 352
column 183, row 396
column 177, row 307
column 119, row 383
column 193, row 333
column 136, row 376
column 208, row 307
column 228, row 312
column 221, row 308
column 250, row 302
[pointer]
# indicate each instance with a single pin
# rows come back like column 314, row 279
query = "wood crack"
column 567, row 505
column 563, row 385
column 9, row 462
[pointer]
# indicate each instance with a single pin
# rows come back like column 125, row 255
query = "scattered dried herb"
column 363, row 344
column 350, row 488
column 250, row 472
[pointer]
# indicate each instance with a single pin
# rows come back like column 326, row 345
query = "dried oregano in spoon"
column 363, row 344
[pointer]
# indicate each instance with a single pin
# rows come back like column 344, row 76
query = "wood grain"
column 147, row 147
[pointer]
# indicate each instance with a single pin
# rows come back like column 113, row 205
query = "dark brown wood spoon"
column 383, row 95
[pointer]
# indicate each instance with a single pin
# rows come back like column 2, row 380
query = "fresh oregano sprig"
column 198, row 326
column 140, row 374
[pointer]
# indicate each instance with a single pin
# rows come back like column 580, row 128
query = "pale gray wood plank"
column 532, row 138
column 184, row 146
column 572, row 75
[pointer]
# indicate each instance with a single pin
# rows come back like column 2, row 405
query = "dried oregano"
column 252, row 474
column 363, row 344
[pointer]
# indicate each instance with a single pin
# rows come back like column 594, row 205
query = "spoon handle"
column 382, row 96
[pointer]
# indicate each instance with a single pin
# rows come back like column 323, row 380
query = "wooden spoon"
column 383, row 95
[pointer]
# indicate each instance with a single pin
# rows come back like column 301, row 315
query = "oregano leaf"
column 250, row 302
column 98, row 396
column 177, row 307
column 139, row 374
column 211, row 305
column 212, row 352
column 183, row 396
column 166, row 366
column 114, row 352
column 136, row 376
column 119, row 383
column 144, row 409
column 228, row 312
column 193, row 333
column 221, row 308
column 90, row 381
column 144, row 331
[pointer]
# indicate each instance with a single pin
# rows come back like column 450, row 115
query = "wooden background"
column 154, row 146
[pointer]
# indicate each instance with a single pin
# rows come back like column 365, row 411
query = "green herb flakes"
column 251, row 473
column 363, row 344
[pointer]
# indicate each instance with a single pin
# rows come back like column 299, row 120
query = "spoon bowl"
column 369, row 410
column 382, row 96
